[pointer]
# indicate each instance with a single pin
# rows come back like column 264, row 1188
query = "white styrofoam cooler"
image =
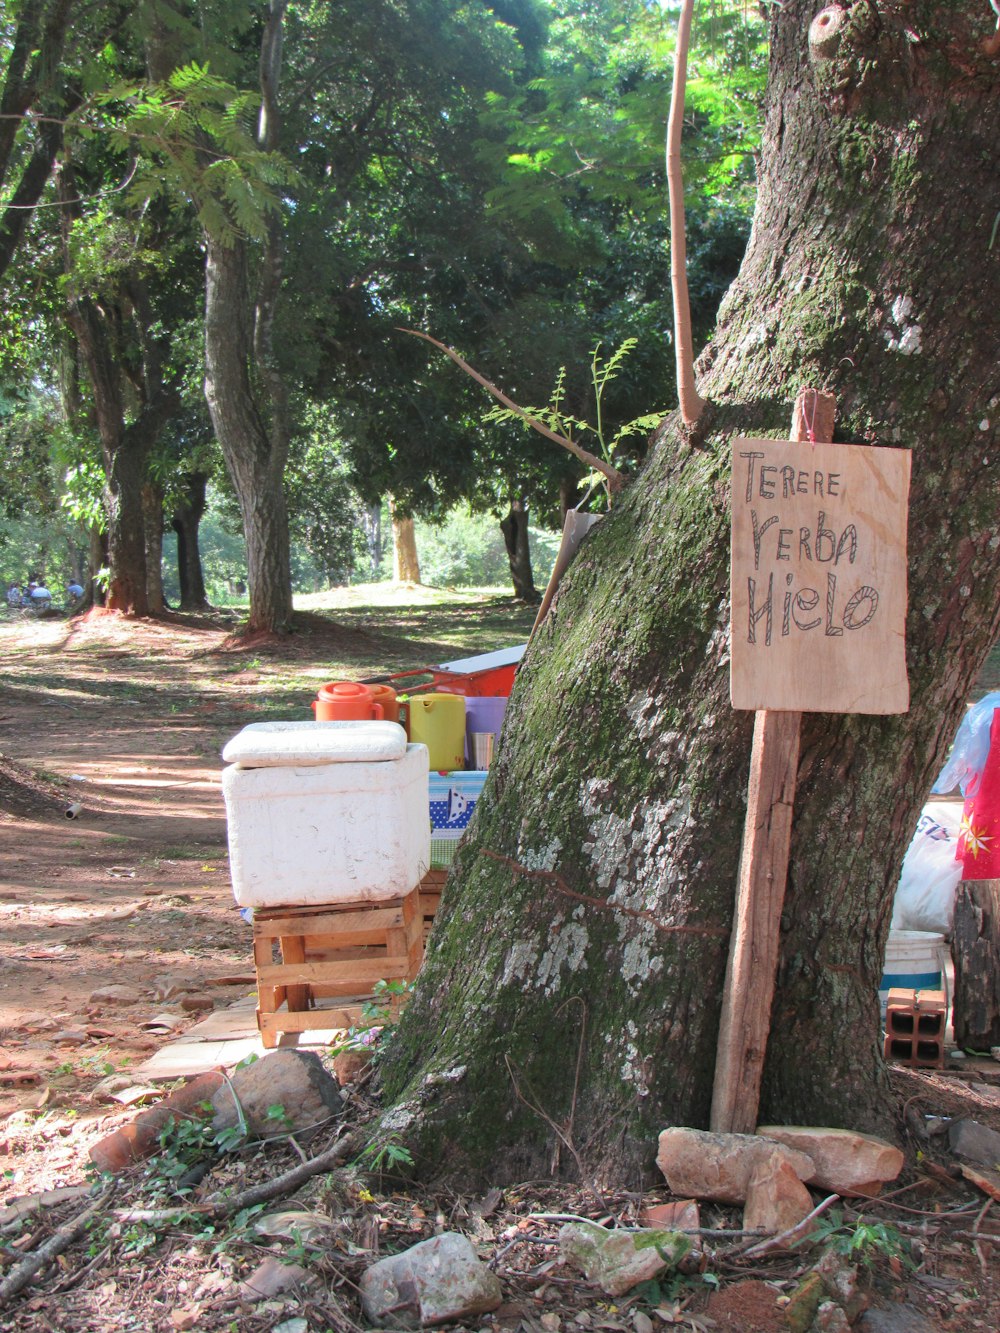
column 325, row 812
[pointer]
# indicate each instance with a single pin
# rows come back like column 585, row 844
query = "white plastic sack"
column 928, row 883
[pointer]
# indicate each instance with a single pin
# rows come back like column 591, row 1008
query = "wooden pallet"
column 430, row 888
column 333, row 952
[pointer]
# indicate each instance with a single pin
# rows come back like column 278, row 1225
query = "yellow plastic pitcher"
column 438, row 721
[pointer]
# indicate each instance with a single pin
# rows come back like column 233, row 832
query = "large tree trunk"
column 246, row 394
column 185, row 522
column 515, row 537
column 574, row 976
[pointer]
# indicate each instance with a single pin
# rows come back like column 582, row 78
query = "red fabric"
column 979, row 842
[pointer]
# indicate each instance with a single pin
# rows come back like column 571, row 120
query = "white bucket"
column 914, row 959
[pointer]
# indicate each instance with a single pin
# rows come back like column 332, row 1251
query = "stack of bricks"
column 914, row 1028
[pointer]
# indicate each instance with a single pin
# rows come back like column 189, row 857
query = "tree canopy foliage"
column 491, row 173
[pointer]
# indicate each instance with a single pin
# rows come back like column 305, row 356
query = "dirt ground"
column 126, row 721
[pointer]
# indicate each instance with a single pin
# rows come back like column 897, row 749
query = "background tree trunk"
column 515, row 536
column 93, row 592
column 152, row 522
column 185, row 522
column 975, row 947
column 575, row 972
column 246, row 394
column 119, row 345
column 405, row 558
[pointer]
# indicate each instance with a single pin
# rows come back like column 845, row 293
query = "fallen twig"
column 786, row 1238
column 72, row 1280
column 18, row 1209
column 223, row 1205
column 976, row 1232
column 61, row 1239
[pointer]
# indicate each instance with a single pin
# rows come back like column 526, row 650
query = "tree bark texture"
column 120, row 347
column 975, row 948
column 255, row 455
column 514, row 527
column 405, row 557
column 574, row 976
column 185, row 522
column 246, row 393
column 152, row 523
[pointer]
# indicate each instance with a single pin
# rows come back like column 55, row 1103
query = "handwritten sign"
column 818, row 577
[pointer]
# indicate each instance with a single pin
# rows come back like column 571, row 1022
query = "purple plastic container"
column 483, row 713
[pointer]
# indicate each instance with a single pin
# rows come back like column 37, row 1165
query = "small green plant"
column 97, row 1062
column 137, row 1239
column 376, row 1013
column 574, row 429
column 185, row 1143
column 386, row 1155
column 277, row 1115
column 863, row 1242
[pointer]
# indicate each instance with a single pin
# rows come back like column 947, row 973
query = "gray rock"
column 830, row 1318
column 294, row 1081
column 977, row 1142
column 439, row 1281
column 271, row 1278
column 616, row 1261
column 116, row 994
column 894, row 1319
column 841, row 1280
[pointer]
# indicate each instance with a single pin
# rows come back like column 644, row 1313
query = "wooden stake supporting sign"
column 803, row 520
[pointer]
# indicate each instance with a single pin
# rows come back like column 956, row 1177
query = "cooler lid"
column 305, row 744
column 485, row 661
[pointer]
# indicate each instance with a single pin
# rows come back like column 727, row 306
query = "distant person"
column 14, row 595
column 74, row 592
column 40, row 595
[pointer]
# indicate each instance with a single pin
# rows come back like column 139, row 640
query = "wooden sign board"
column 818, row 577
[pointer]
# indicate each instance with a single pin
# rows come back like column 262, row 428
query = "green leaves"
column 195, row 140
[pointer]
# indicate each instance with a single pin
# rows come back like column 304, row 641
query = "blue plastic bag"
column 971, row 746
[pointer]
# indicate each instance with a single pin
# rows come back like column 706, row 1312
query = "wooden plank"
column 304, row 974
column 312, row 1020
column 292, row 952
column 339, row 944
column 760, row 892
column 755, row 941
column 327, row 922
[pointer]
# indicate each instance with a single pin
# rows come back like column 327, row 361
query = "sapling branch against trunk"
column 691, row 402
column 611, row 475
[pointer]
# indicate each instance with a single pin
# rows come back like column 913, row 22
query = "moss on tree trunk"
column 545, row 1022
